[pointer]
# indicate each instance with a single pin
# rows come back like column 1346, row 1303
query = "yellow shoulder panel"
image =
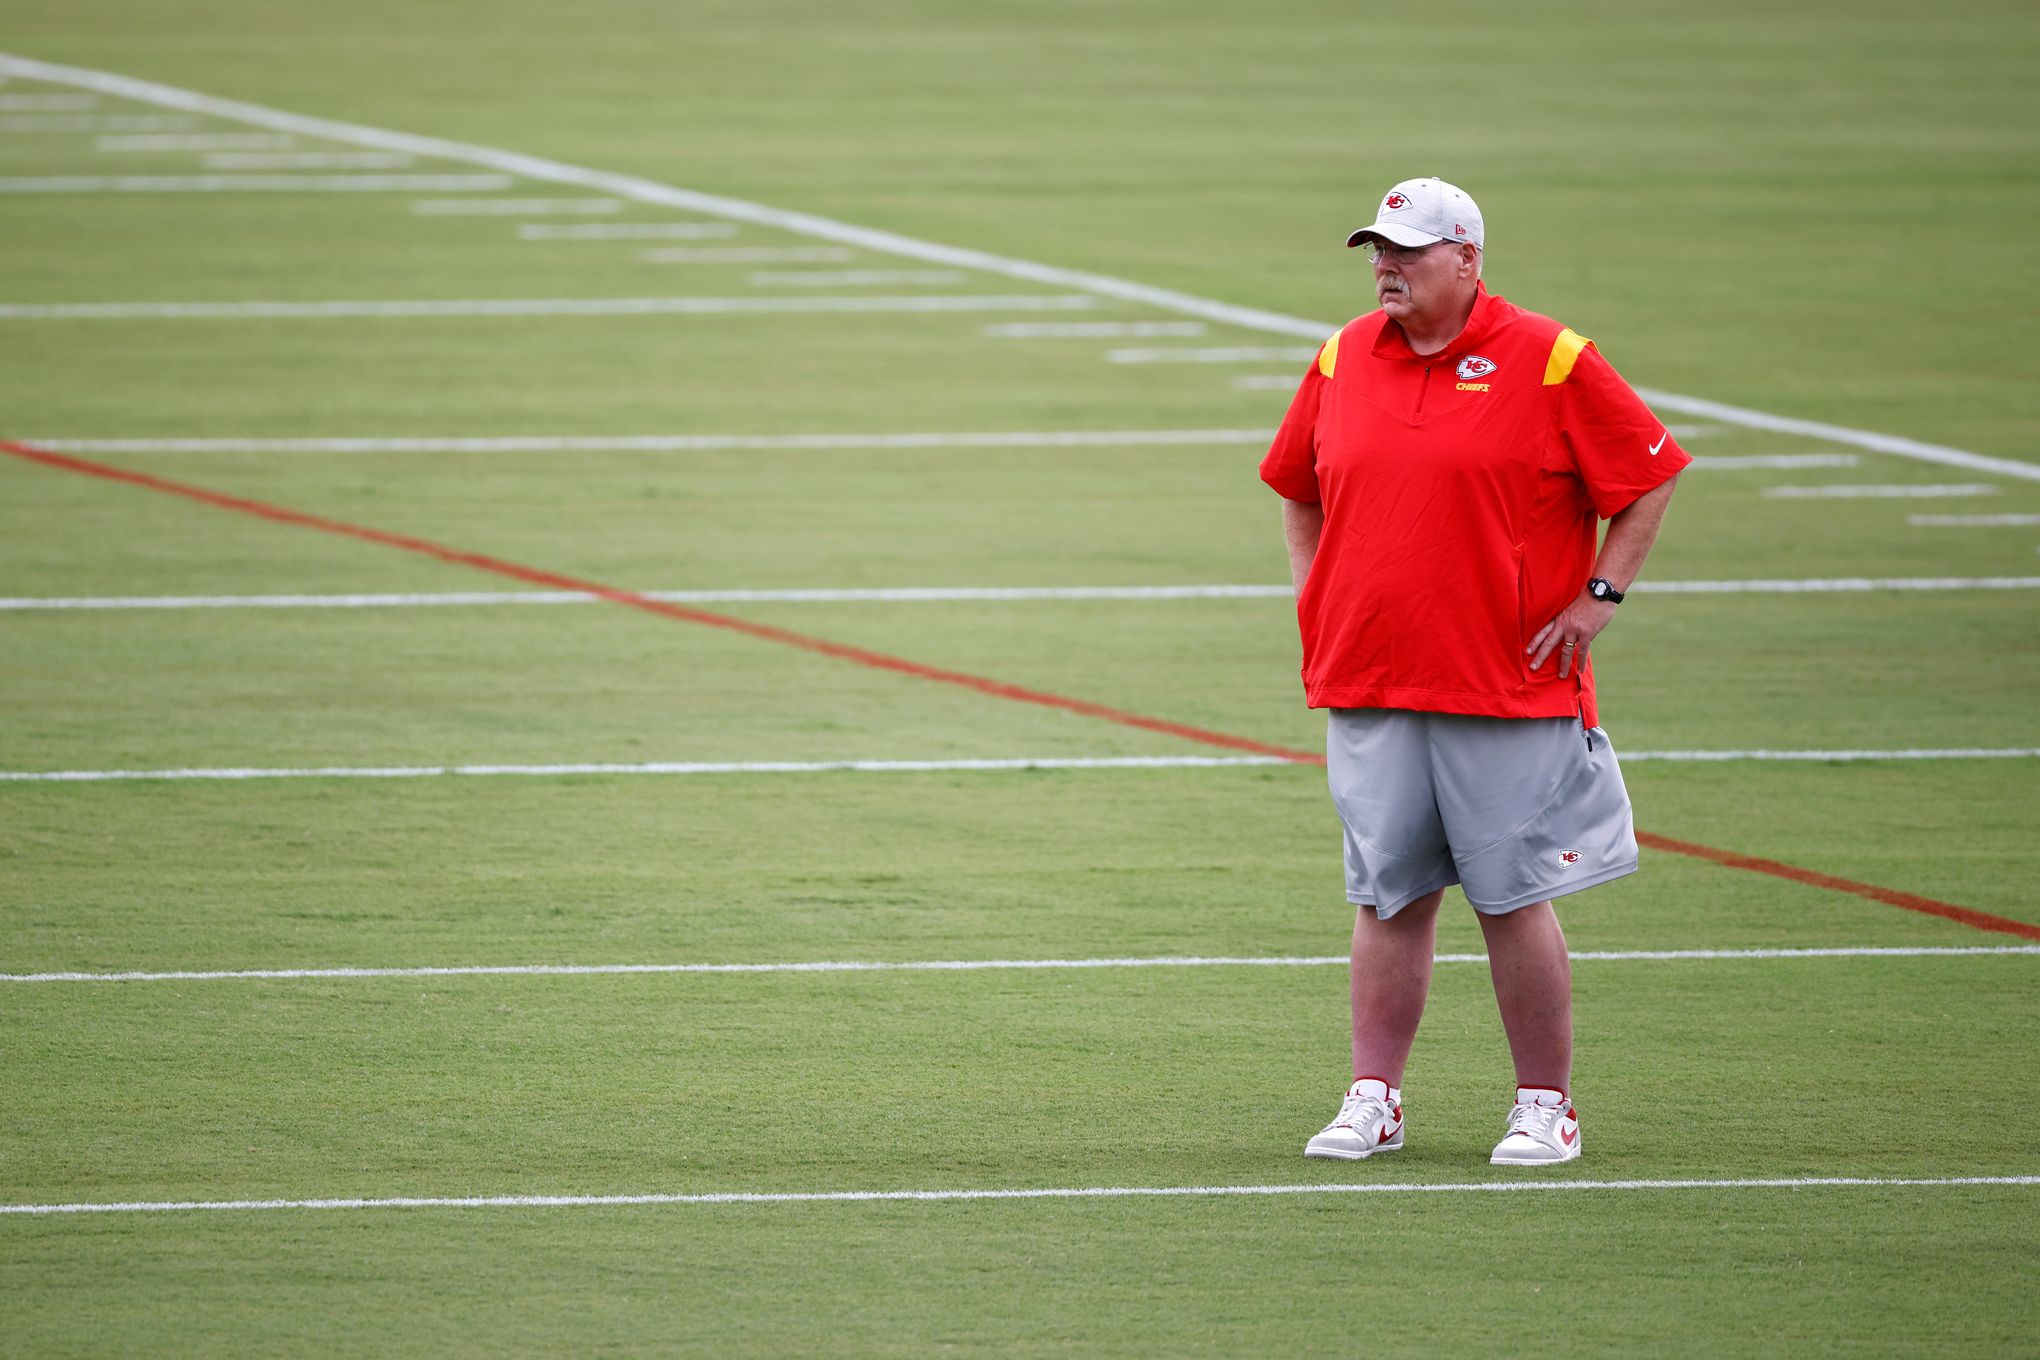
column 1328, row 357
column 1565, row 352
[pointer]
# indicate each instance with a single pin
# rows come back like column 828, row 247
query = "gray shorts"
column 1515, row 810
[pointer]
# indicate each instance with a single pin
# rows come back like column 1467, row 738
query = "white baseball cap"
column 1419, row 212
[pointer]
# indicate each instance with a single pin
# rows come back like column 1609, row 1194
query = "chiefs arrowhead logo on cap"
column 1568, row 857
column 1474, row 366
column 1394, row 201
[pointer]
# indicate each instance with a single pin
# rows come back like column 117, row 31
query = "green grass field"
column 1797, row 211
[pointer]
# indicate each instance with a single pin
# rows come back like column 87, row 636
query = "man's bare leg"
column 1391, row 979
column 1533, row 987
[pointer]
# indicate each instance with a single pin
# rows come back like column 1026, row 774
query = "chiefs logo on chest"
column 1471, row 368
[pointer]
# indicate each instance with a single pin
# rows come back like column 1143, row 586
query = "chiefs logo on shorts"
column 1473, row 366
column 1568, row 858
column 1394, row 201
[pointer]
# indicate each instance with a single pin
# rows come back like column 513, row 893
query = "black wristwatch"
column 1601, row 590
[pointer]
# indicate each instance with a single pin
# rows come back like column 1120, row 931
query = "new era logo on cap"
column 1421, row 212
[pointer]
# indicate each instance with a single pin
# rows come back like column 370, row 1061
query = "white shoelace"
column 1535, row 1121
column 1361, row 1112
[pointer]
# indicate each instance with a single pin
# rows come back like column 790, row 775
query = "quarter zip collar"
column 1392, row 344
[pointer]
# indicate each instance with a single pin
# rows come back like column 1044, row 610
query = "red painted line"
column 1981, row 920
column 630, row 599
column 996, row 688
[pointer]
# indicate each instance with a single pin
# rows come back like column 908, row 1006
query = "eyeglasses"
column 1377, row 249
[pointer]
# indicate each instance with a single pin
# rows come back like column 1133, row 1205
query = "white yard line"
column 918, row 594
column 625, row 231
column 719, row 767
column 88, row 122
column 845, row 278
column 661, row 443
column 512, row 207
column 992, row 965
column 235, row 184
column 1092, row 330
column 1267, row 382
column 1738, row 463
column 650, row 767
column 881, row 595
column 656, row 306
column 1846, row 757
column 1881, row 492
column 1224, row 354
column 1895, row 445
column 1838, row 584
column 196, row 141
column 1065, row 1193
column 739, row 210
column 1974, row 521
column 47, row 103
column 653, row 192
column 669, row 443
column 307, row 160
column 748, row 255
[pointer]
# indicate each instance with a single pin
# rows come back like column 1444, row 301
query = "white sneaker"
column 1539, row 1135
column 1369, row 1121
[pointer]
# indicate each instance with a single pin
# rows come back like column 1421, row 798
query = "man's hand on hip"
column 1570, row 634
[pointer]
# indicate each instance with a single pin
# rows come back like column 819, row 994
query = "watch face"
column 1599, row 590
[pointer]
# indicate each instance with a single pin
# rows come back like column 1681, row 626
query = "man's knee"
column 1527, row 936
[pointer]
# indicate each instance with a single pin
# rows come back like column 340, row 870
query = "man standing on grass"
column 1443, row 469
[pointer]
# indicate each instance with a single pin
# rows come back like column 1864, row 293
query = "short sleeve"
column 1290, row 466
column 1618, row 447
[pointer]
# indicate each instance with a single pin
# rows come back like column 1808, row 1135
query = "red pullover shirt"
column 1461, row 493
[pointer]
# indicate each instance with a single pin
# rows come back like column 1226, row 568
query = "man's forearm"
column 1303, row 522
column 1630, row 535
